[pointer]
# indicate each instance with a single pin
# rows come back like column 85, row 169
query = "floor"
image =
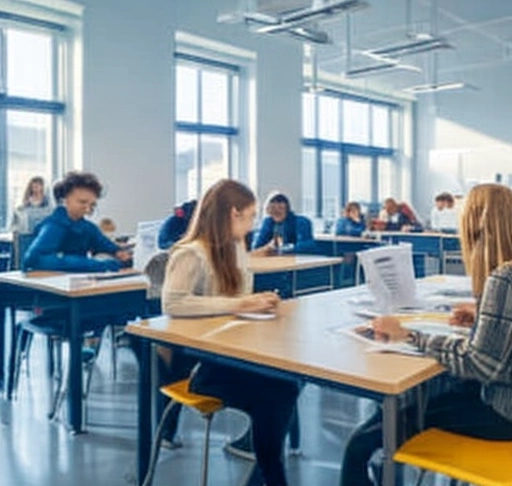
column 37, row 452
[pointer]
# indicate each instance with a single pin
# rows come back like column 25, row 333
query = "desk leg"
column 145, row 407
column 10, row 351
column 2, row 345
column 75, row 369
column 392, row 472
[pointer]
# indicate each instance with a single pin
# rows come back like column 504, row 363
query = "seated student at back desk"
column 283, row 231
column 399, row 217
column 175, row 226
column 65, row 239
column 352, row 223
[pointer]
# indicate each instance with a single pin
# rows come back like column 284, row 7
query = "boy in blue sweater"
column 66, row 240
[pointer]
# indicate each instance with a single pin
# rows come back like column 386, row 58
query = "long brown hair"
column 486, row 232
column 211, row 225
column 28, row 190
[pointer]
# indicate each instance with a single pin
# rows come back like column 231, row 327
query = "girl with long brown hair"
column 207, row 275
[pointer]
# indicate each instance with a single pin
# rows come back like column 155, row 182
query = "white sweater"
column 190, row 286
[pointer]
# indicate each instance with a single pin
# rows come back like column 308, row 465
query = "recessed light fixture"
column 431, row 88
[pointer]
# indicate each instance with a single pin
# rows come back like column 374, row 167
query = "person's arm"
column 340, row 227
column 265, row 233
column 185, row 273
column 305, row 242
column 484, row 356
column 100, row 243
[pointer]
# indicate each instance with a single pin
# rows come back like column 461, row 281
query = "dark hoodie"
column 175, row 226
column 64, row 244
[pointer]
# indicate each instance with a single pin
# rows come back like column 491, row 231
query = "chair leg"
column 420, row 477
column 204, row 473
column 61, row 392
column 21, row 340
column 113, row 351
column 294, row 431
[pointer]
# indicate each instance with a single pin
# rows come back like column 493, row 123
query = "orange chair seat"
column 179, row 392
column 476, row 461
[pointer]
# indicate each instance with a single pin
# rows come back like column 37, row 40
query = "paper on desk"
column 389, row 274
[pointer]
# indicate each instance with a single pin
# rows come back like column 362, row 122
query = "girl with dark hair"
column 207, row 275
column 66, row 240
column 34, row 208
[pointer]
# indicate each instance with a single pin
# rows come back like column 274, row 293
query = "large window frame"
column 226, row 133
column 318, row 136
column 45, row 116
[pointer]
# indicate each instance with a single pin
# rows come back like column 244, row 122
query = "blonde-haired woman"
column 207, row 275
column 481, row 406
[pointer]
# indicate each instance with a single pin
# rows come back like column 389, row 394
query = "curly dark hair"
column 73, row 180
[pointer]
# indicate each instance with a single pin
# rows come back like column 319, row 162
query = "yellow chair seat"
column 476, row 461
column 179, row 392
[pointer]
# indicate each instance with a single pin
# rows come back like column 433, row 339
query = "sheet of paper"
column 389, row 273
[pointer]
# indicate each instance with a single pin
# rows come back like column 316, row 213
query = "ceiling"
column 479, row 31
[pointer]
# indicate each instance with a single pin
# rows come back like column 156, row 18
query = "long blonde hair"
column 211, row 225
column 486, row 232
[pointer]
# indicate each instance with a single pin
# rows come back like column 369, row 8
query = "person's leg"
column 363, row 442
column 268, row 401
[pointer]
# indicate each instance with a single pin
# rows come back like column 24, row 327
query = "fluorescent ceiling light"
column 416, row 47
column 309, row 14
column 380, row 68
column 310, row 35
column 430, row 88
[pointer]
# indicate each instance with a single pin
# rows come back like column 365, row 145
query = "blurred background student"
column 175, row 226
column 352, row 223
column 34, row 207
column 283, row 231
column 66, row 240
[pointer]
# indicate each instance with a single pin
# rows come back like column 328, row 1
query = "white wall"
column 129, row 106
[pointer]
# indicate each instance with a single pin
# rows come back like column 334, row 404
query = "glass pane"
column 330, row 184
column 359, row 178
column 309, row 182
column 214, row 98
column 29, row 153
column 329, row 118
column 386, row 178
column 380, row 126
column 29, row 64
column 308, row 115
column 356, row 127
column 186, row 93
column 214, row 158
column 186, row 167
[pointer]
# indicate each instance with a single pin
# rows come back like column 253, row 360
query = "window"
column 350, row 146
column 32, row 105
column 207, row 129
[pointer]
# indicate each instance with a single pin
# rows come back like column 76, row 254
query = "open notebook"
column 428, row 323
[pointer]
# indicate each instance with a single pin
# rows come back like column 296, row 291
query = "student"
column 481, row 406
column 108, row 228
column 399, row 217
column 65, row 239
column 283, row 231
column 175, row 226
column 352, row 223
column 34, row 208
column 207, row 275
column 437, row 210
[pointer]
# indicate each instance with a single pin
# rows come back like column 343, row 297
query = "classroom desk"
column 120, row 299
column 333, row 245
column 304, row 342
column 295, row 275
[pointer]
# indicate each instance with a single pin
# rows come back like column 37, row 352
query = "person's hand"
column 406, row 228
column 124, row 255
column 260, row 302
column 266, row 250
column 387, row 328
column 463, row 315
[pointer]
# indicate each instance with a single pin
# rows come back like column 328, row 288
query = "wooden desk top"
column 305, row 339
column 75, row 285
column 286, row 263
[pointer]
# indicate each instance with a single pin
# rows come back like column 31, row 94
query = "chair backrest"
column 146, row 243
column 155, row 270
column 20, row 244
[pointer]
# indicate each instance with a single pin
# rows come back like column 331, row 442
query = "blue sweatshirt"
column 295, row 231
column 63, row 244
column 349, row 227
